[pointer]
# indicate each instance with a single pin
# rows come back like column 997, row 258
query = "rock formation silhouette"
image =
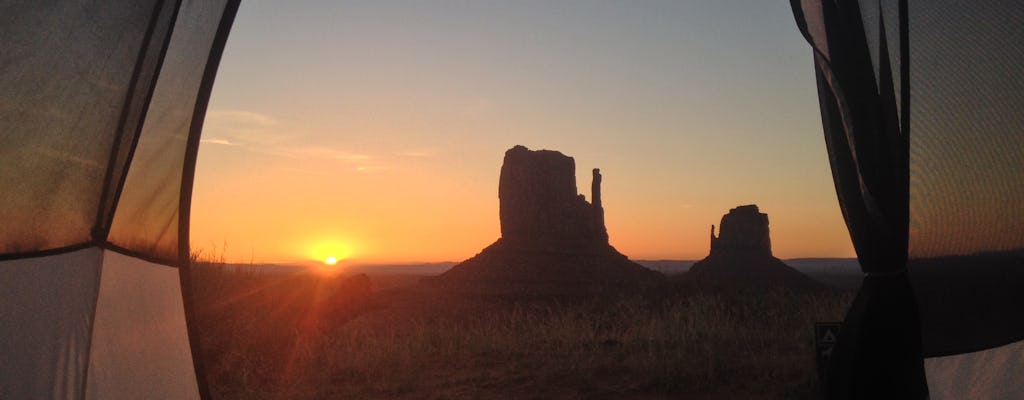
column 743, row 230
column 539, row 207
column 741, row 255
column 549, row 233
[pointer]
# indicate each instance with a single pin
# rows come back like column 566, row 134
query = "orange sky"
column 376, row 131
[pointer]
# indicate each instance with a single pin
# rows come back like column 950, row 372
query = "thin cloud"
column 240, row 117
column 263, row 134
column 246, row 129
column 217, row 141
column 371, row 168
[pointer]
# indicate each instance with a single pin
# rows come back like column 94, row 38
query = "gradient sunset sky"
column 375, row 130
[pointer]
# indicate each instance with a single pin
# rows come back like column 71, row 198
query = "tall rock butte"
column 549, row 233
column 539, row 206
column 743, row 230
column 741, row 255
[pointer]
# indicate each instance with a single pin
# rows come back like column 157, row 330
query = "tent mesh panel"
column 146, row 220
column 967, row 172
column 75, row 81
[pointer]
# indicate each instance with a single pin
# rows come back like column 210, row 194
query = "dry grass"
column 303, row 337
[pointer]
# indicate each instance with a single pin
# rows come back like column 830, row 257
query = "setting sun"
column 330, row 251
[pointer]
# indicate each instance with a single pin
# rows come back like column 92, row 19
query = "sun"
column 329, row 266
column 327, row 256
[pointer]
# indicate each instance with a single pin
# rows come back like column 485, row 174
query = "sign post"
column 826, row 334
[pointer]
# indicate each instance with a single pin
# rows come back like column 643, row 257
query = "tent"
column 102, row 105
column 921, row 106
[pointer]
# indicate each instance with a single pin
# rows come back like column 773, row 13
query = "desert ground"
column 394, row 336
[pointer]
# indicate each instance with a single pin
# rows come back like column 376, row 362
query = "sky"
column 374, row 131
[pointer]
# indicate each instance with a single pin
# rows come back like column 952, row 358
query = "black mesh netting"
column 921, row 103
column 967, row 172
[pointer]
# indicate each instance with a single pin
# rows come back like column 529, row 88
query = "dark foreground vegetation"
column 304, row 336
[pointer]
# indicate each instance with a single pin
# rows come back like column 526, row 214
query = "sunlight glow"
column 330, row 252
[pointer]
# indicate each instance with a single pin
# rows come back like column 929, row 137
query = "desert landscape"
column 304, row 336
column 549, row 310
column 222, row 199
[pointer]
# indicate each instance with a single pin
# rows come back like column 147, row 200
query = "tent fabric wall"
column 46, row 324
column 139, row 334
column 99, row 128
column 97, row 315
column 993, row 374
column 944, row 77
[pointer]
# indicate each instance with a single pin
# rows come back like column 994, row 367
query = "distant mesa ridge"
column 741, row 255
column 549, row 232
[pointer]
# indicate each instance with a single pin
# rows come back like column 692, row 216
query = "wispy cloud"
column 267, row 135
column 240, row 117
column 245, row 129
column 371, row 168
column 217, row 141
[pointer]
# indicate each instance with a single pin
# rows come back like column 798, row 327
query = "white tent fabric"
column 46, row 323
column 993, row 374
column 139, row 334
column 103, row 104
column 125, row 330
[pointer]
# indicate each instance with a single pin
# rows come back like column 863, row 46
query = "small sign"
column 826, row 334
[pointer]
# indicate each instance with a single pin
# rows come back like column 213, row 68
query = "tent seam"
column 92, row 325
column 105, row 214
